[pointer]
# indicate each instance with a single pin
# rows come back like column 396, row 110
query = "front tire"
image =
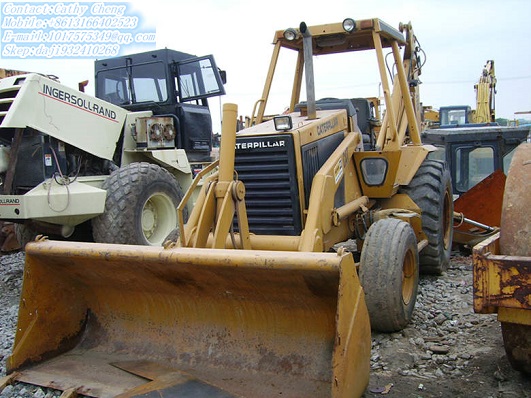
column 389, row 274
column 141, row 206
column 431, row 190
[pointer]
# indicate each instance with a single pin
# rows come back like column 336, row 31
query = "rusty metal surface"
column 88, row 372
column 500, row 280
column 473, row 236
column 502, row 263
column 167, row 382
column 515, row 234
column 482, row 203
column 253, row 323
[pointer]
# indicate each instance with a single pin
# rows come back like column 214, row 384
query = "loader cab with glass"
column 166, row 82
column 473, row 154
column 70, row 160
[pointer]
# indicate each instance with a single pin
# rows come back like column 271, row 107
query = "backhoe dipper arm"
column 390, row 138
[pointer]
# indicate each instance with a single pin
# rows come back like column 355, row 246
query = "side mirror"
column 223, row 75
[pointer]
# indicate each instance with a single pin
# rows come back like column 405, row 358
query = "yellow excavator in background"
column 485, row 94
column 250, row 299
column 485, row 113
column 478, row 153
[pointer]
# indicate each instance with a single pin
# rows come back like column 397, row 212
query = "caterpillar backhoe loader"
column 248, row 298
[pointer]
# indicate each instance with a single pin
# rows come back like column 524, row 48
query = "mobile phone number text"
column 91, row 22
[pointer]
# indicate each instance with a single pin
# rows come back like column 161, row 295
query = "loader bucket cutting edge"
column 243, row 323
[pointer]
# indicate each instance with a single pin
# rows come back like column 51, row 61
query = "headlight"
column 349, row 25
column 283, row 123
column 374, row 171
column 290, row 34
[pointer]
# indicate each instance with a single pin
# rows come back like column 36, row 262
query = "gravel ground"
column 447, row 351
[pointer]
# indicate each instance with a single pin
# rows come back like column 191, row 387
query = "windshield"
column 198, row 79
column 454, row 116
column 195, row 79
column 146, row 83
column 473, row 165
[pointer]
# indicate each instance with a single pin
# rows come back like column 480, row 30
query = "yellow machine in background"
column 485, row 112
column 502, row 265
column 249, row 299
column 485, row 92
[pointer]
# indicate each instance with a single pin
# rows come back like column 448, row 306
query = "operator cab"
column 168, row 83
column 361, row 114
column 454, row 116
column 474, row 153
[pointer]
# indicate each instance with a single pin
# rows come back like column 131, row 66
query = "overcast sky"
column 458, row 37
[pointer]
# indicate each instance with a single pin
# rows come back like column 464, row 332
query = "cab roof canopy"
column 332, row 38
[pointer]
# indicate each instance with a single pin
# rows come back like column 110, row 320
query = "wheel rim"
column 408, row 277
column 159, row 218
column 447, row 220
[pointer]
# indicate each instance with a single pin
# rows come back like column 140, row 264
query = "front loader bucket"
column 117, row 320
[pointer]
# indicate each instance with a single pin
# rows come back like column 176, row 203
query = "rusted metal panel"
column 500, row 280
column 483, row 202
column 515, row 234
column 502, row 263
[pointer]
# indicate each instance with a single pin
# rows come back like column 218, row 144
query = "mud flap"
column 94, row 317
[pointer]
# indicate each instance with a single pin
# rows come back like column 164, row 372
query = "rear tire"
column 389, row 274
column 517, row 344
column 431, row 190
column 141, row 206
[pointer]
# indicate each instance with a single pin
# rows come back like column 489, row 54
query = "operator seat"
column 358, row 110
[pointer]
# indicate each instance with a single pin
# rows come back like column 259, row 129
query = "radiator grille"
column 266, row 165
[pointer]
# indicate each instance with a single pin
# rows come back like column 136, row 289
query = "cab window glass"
column 473, row 165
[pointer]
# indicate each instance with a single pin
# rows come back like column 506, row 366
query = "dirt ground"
column 487, row 375
column 473, row 361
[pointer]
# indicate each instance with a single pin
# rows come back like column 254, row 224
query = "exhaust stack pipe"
column 308, row 69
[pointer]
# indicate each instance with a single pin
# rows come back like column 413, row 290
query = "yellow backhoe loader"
column 249, row 299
